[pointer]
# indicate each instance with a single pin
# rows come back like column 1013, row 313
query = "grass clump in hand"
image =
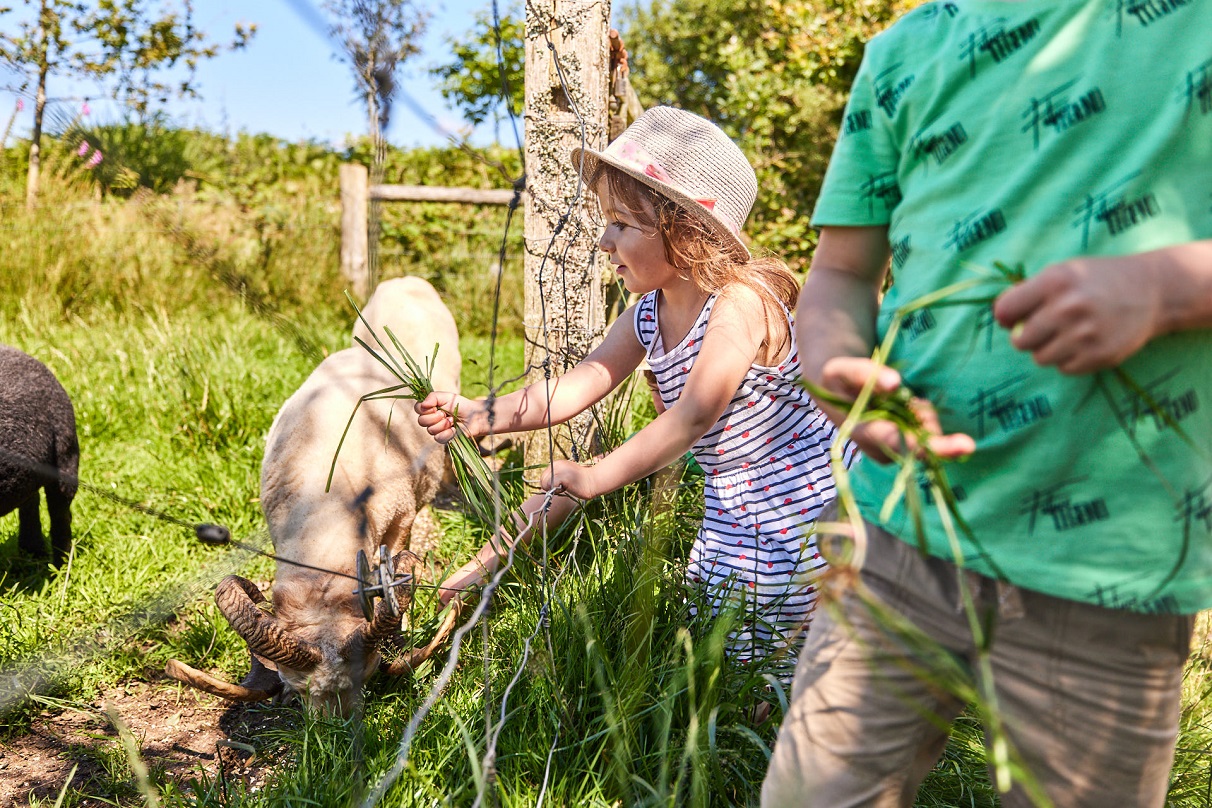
column 916, row 461
column 475, row 479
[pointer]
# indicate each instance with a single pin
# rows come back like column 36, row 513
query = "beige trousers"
column 1089, row 697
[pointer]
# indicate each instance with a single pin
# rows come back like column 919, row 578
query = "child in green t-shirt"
column 1071, row 139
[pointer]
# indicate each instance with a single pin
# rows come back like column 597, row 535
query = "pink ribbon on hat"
column 638, row 158
column 655, row 171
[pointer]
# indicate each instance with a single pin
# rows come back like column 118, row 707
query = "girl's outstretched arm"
column 734, row 334
column 527, row 521
column 537, row 405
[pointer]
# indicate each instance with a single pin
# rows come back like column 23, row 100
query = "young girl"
column 714, row 325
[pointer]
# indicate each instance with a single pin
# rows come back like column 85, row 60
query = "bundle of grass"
column 480, row 487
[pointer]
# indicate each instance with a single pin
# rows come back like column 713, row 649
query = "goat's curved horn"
column 237, row 599
column 409, row 662
column 383, row 624
column 260, row 684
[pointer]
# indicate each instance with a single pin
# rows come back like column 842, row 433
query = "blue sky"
column 287, row 82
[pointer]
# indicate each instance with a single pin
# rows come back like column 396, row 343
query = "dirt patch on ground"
column 182, row 733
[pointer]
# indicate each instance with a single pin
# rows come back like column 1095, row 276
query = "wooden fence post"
column 567, row 65
column 355, row 251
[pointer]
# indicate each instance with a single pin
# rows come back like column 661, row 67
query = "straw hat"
column 689, row 160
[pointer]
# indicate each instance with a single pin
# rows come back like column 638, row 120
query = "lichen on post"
column 567, row 105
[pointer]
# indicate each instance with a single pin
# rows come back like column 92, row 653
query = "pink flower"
column 84, row 148
column 84, row 110
column 95, row 160
column 20, row 104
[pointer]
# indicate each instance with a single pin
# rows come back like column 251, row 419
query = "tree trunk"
column 35, row 145
column 567, row 68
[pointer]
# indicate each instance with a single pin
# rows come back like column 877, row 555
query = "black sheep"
column 38, row 449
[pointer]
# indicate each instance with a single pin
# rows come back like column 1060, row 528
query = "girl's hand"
column 437, row 413
column 571, row 478
column 882, row 440
column 471, row 574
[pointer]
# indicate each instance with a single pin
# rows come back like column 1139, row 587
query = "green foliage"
column 133, row 41
column 40, row 38
column 773, row 74
column 473, row 82
column 134, row 154
column 127, row 43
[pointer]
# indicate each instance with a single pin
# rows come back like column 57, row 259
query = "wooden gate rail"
column 356, row 195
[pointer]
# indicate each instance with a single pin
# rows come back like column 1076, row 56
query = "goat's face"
column 331, row 621
column 317, row 639
column 334, row 686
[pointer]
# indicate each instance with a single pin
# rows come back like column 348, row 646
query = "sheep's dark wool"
column 38, row 450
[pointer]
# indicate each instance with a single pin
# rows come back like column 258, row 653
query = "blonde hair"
column 692, row 248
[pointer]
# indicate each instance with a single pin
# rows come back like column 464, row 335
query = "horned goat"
column 39, row 451
column 317, row 638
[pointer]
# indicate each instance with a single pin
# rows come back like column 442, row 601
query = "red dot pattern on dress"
column 786, row 506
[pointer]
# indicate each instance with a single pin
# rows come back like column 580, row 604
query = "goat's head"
column 325, row 661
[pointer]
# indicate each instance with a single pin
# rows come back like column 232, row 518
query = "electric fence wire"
column 488, row 762
column 541, row 624
column 310, row 16
column 25, row 679
column 21, row 680
column 538, row 803
column 206, row 533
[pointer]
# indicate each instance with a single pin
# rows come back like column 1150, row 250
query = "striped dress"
column 767, row 478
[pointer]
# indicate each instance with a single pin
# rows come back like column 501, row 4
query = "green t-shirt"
column 1027, row 133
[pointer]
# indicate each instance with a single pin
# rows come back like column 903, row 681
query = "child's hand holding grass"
column 439, row 413
column 842, row 381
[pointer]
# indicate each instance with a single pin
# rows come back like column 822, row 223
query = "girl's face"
column 636, row 251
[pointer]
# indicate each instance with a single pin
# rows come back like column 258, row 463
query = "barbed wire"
column 452, row 661
column 492, row 734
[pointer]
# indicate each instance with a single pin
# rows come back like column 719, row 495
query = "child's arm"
column 531, row 407
column 835, row 329
column 1087, row 314
column 731, row 342
column 526, row 521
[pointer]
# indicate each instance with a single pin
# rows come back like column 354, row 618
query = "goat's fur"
column 383, row 476
column 388, row 468
column 39, row 451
